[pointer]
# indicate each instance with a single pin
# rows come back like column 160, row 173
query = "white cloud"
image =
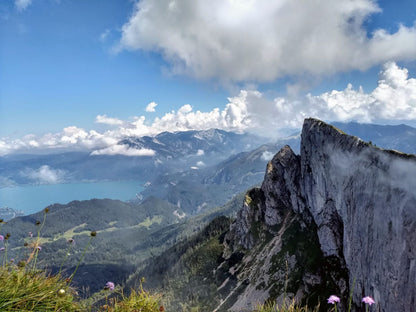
column 104, row 35
column 262, row 40
column 108, row 120
column 123, row 150
column 22, row 4
column 45, row 175
column 393, row 99
column 150, row 108
column 200, row 152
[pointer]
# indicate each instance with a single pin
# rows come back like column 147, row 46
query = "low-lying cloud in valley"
column 44, row 175
column 393, row 99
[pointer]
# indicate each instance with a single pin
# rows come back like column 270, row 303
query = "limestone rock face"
column 360, row 203
column 363, row 200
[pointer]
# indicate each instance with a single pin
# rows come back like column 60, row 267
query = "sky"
column 82, row 74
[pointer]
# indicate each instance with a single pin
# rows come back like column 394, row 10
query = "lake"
column 33, row 198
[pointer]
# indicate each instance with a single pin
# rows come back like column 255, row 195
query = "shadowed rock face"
column 360, row 203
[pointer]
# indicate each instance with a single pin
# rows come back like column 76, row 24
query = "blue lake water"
column 33, row 198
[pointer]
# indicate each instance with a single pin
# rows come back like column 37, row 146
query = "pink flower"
column 368, row 300
column 2, row 248
column 109, row 285
column 30, row 234
column 1, row 238
column 39, row 248
column 333, row 299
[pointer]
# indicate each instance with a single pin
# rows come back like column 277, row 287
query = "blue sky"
column 93, row 66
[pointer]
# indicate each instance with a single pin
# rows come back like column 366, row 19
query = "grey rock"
column 361, row 202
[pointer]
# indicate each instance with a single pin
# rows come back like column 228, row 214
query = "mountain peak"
column 356, row 199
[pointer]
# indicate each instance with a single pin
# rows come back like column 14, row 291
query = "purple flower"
column 333, row 299
column 39, row 248
column 71, row 241
column 30, row 234
column 368, row 300
column 1, row 238
column 2, row 248
column 109, row 285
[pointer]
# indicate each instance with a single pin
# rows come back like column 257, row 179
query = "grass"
column 292, row 307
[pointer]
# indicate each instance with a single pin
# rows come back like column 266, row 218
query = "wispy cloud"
column 104, row 35
column 22, row 4
column 263, row 40
column 393, row 99
column 122, row 149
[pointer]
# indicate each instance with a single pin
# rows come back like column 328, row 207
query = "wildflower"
column 7, row 236
column 30, row 234
column 37, row 222
column 39, row 248
column 46, row 210
column 109, row 285
column 2, row 249
column 333, row 299
column 71, row 241
column 93, row 233
column 1, row 238
column 368, row 300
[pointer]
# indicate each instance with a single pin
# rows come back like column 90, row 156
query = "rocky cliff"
column 342, row 211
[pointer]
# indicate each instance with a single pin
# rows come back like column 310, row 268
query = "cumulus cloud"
column 393, row 99
column 263, row 40
column 122, row 149
column 150, row 108
column 45, row 175
column 108, row 120
column 22, row 4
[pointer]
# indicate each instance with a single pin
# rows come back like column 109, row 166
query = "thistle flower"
column 39, row 248
column 30, row 234
column 2, row 249
column 368, row 300
column 333, row 299
column 71, row 241
column 7, row 236
column 1, row 238
column 93, row 233
column 109, row 285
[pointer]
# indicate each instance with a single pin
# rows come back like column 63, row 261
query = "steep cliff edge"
column 340, row 211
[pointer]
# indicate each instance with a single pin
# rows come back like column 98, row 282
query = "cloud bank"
column 44, row 175
column 393, row 99
column 262, row 40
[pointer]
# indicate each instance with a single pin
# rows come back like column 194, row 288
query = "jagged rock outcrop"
column 343, row 210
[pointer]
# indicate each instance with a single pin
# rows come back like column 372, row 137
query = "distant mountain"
column 198, row 190
column 397, row 137
column 173, row 152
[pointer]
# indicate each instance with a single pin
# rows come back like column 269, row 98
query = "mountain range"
column 331, row 212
